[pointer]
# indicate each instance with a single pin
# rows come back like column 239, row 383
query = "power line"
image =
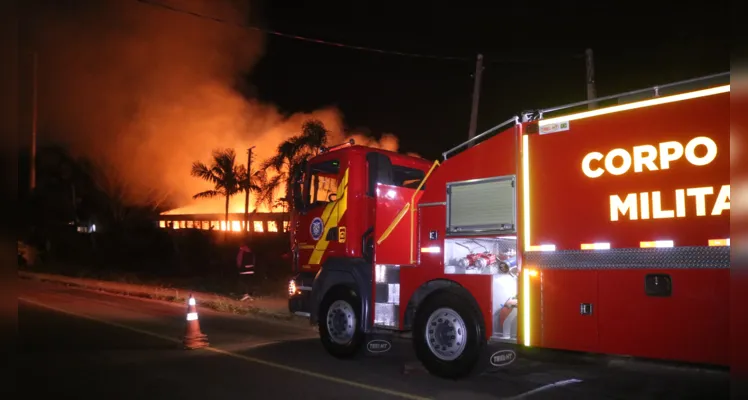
column 488, row 60
column 303, row 38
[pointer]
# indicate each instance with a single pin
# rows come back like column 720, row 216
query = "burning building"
column 207, row 215
column 267, row 222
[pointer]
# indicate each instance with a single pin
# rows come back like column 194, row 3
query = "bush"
column 187, row 258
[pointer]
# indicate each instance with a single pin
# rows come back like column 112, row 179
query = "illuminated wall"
column 258, row 222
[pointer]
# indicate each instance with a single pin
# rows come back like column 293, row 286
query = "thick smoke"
column 147, row 91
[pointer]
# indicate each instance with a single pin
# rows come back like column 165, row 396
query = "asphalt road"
column 81, row 344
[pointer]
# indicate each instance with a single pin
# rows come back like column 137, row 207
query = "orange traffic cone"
column 193, row 337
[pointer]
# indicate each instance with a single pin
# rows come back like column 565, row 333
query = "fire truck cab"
column 340, row 198
column 603, row 229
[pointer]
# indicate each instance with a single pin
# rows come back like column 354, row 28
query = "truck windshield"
column 322, row 182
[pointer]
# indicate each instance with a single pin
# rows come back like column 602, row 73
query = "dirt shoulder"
column 270, row 307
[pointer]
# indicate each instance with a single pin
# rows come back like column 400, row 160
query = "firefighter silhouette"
column 245, row 263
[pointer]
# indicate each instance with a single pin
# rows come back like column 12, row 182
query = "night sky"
column 534, row 59
column 112, row 73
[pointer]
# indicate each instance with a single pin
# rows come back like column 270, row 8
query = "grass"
column 133, row 286
column 228, row 286
column 218, row 303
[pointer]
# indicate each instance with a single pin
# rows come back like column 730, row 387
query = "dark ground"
column 131, row 350
column 185, row 258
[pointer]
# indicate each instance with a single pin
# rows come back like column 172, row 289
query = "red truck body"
column 602, row 231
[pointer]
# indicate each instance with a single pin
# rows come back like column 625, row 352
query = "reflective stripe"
column 656, row 243
column 648, row 244
column 331, row 219
column 638, row 104
column 526, row 304
column 543, row 247
column 393, row 224
column 632, row 258
column 595, row 246
column 191, row 301
column 192, row 316
column 526, row 190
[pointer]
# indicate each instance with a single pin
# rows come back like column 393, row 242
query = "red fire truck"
column 599, row 228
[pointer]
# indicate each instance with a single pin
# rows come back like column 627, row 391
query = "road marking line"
column 546, row 387
column 234, row 355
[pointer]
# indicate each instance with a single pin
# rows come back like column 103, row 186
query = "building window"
column 272, row 226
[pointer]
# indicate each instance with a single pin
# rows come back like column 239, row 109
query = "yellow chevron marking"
column 331, row 217
column 394, row 223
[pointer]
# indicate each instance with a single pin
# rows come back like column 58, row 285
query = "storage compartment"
column 387, row 296
column 571, row 310
column 496, row 257
column 482, row 206
column 488, row 256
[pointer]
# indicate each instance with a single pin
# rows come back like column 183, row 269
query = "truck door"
column 324, row 186
column 394, row 188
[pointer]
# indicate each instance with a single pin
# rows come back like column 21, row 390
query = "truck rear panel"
column 628, row 216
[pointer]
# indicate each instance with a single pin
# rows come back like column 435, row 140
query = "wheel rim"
column 446, row 334
column 341, row 322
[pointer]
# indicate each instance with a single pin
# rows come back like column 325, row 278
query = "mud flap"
column 498, row 357
column 393, row 351
column 381, row 344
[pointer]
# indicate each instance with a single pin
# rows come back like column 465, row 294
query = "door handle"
column 658, row 285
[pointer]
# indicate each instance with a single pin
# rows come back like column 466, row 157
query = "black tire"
column 337, row 349
column 475, row 341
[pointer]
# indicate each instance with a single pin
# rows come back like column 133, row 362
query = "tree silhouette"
column 288, row 159
column 227, row 177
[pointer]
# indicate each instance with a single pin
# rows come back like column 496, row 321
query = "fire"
column 218, row 206
column 235, row 224
column 209, row 214
column 162, row 103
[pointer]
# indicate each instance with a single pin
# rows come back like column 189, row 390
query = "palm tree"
column 313, row 137
column 224, row 174
column 289, row 158
column 284, row 163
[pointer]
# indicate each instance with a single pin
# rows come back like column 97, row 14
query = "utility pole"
column 476, row 96
column 32, row 171
column 75, row 203
column 591, row 93
column 246, row 194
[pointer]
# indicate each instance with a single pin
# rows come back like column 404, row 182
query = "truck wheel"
column 448, row 335
column 339, row 318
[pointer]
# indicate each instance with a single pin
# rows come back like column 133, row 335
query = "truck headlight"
column 292, row 287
